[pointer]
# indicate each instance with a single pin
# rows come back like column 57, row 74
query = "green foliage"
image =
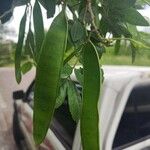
column 74, row 101
column 29, row 49
column 123, row 4
column 39, row 28
column 84, row 40
column 18, row 53
column 79, row 75
column 66, row 71
column 26, row 67
column 49, row 5
column 61, row 94
column 117, row 46
column 132, row 16
column 77, row 32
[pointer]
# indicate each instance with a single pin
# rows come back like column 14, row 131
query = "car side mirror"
column 18, row 95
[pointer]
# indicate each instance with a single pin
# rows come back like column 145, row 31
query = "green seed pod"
column 48, row 76
column 89, row 116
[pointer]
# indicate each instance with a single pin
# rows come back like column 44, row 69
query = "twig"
column 93, row 25
column 70, row 57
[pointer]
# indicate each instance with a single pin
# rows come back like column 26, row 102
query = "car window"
column 135, row 122
column 62, row 124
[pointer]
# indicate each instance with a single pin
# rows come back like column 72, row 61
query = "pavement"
column 7, row 86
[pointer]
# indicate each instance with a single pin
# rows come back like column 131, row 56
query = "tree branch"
column 93, row 25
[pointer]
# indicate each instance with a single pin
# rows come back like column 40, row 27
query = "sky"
column 13, row 24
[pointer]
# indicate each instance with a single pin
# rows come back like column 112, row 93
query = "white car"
column 124, row 108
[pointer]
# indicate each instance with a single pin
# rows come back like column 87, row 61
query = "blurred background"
column 9, row 32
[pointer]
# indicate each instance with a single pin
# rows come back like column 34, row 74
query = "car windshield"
column 134, row 126
column 63, row 126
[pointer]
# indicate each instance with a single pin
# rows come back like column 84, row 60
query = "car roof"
column 117, row 80
column 118, row 76
column 113, row 71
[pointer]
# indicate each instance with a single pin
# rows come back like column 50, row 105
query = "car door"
column 62, row 129
column 133, row 132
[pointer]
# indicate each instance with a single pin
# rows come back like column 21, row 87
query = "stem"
column 93, row 25
column 70, row 57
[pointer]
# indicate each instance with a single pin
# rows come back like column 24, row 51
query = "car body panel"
column 118, row 111
column 26, row 115
column 118, row 83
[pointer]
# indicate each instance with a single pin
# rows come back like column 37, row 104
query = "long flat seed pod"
column 91, row 90
column 48, row 76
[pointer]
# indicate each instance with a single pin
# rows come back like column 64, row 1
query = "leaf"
column 100, row 49
column 26, row 67
column 70, row 45
column 73, row 2
column 117, row 47
column 122, row 4
column 103, row 26
column 79, row 75
column 61, row 95
column 49, row 5
column 27, row 48
column 48, row 76
column 96, row 13
column 85, row 15
column 81, row 6
column 133, row 50
column 29, row 44
column 122, row 30
column 74, row 101
column 66, row 71
column 18, row 52
column 77, row 31
column 38, row 27
column 133, row 30
column 132, row 16
column 89, row 116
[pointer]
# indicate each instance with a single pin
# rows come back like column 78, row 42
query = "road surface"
column 7, row 86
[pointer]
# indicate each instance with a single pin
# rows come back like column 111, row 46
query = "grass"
column 108, row 58
column 142, row 58
column 124, row 60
